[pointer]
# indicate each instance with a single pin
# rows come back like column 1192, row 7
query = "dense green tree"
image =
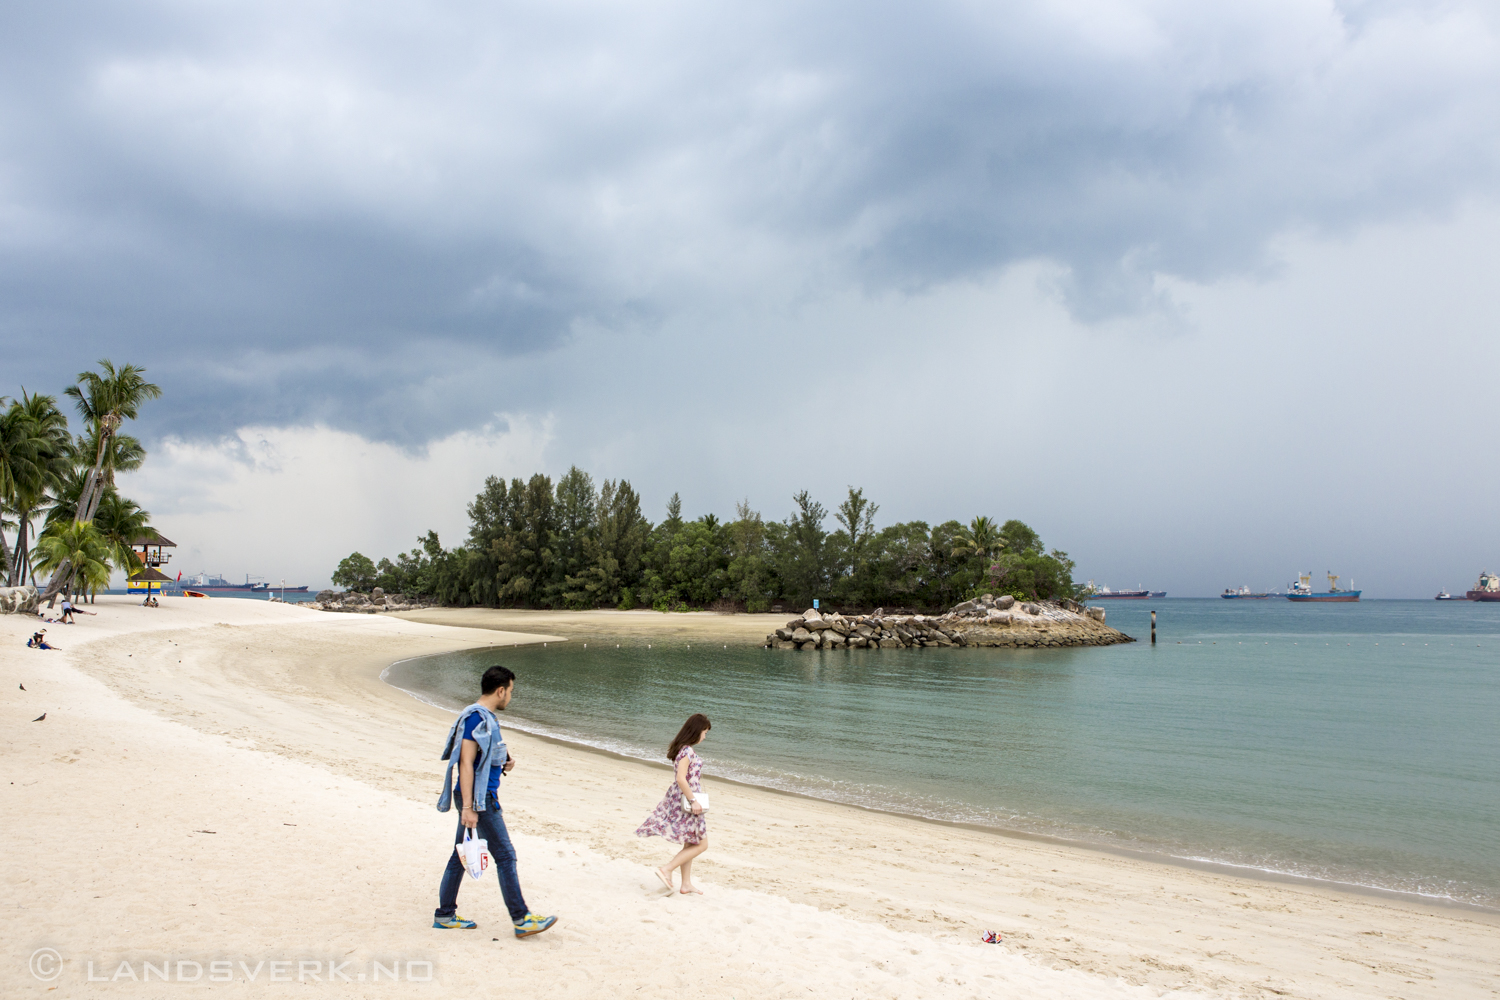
column 798, row 551
column 356, row 572
column 523, row 554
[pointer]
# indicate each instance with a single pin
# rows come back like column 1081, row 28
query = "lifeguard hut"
column 149, row 576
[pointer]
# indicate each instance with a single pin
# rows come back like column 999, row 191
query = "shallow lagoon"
column 1352, row 742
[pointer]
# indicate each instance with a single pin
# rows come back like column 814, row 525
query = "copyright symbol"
column 45, row 964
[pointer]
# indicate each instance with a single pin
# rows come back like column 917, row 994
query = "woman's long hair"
column 696, row 725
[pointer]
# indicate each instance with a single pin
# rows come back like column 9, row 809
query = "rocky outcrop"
column 18, row 600
column 984, row 621
column 354, row 603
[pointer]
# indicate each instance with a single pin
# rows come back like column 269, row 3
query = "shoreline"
column 260, row 791
column 1413, row 899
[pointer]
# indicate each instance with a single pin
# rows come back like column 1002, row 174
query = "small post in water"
column 1153, row 628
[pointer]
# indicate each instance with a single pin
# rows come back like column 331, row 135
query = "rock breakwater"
column 984, row 621
column 350, row 602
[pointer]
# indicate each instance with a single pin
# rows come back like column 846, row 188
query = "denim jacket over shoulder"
column 491, row 750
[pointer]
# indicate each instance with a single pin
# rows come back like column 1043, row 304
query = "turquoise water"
column 1356, row 743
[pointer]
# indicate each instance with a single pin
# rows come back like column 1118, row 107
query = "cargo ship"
column 1105, row 594
column 204, row 583
column 1487, row 589
column 1243, row 594
column 1302, row 591
column 217, row 584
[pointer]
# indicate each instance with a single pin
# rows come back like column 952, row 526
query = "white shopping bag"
column 474, row 852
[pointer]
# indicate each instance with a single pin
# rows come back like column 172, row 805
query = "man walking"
column 481, row 759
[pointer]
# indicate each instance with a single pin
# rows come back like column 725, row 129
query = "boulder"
column 965, row 607
column 801, row 635
column 1032, row 609
column 324, row 596
column 1095, row 613
column 1005, row 602
column 998, row 618
column 18, row 600
column 819, row 625
column 377, row 592
column 784, row 634
column 811, row 614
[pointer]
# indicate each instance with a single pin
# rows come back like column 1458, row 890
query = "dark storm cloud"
column 363, row 214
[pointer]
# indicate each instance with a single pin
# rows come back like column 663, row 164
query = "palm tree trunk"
column 23, row 556
column 88, row 503
column 5, row 561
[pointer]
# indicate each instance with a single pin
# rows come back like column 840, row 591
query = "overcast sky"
column 1203, row 292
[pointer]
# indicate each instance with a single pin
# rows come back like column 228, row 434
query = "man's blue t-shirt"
column 469, row 728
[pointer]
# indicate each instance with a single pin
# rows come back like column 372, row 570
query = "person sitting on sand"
column 38, row 640
column 679, row 817
column 481, row 759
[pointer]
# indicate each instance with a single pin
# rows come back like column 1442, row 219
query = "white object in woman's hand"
column 697, row 808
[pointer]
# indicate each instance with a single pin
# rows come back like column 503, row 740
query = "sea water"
column 1353, row 743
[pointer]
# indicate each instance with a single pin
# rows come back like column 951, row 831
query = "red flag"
column 179, row 576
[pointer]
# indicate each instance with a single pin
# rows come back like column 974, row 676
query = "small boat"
column 1487, row 589
column 1443, row 595
column 194, row 593
column 1302, row 593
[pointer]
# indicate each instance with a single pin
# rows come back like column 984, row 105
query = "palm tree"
column 23, row 466
column 54, row 460
column 982, row 538
column 76, row 554
column 106, row 401
column 120, row 522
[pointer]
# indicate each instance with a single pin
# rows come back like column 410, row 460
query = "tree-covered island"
column 578, row 544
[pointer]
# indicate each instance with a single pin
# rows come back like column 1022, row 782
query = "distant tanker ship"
column 1302, row 591
column 1105, row 594
column 1487, row 589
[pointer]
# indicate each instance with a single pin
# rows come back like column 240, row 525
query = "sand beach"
column 230, row 781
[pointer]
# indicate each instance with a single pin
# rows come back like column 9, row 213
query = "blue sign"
column 815, row 604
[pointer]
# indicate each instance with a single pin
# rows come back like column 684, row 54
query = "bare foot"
column 690, row 890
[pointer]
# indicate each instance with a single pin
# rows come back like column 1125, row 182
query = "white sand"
column 267, row 725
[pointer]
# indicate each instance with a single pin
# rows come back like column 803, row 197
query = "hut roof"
column 161, row 540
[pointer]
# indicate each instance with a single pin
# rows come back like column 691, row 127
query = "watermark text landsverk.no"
column 48, row 965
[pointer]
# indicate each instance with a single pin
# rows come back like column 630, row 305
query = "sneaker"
column 533, row 924
column 454, row 923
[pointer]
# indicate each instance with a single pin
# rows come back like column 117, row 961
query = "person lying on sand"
column 481, row 758
column 38, row 640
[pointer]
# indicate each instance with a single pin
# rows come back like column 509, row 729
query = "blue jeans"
column 492, row 828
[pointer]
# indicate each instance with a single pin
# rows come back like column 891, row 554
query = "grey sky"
column 1202, row 291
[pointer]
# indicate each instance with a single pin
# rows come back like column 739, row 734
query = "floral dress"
column 672, row 818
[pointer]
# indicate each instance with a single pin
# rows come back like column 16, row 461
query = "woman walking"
column 679, row 817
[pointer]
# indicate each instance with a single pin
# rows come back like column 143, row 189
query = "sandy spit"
column 229, row 781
